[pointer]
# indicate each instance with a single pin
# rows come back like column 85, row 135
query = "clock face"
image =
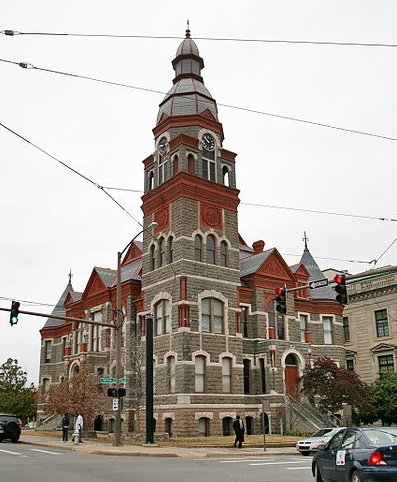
column 162, row 145
column 208, row 142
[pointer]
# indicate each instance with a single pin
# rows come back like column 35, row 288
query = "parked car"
column 309, row 445
column 363, row 454
column 10, row 427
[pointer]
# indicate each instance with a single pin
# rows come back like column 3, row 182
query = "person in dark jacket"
column 238, row 427
column 65, row 427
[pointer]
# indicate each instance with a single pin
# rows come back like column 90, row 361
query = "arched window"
column 151, row 181
column 168, row 426
column 204, row 427
column 263, row 374
column 227, row 426
column 211, row 315
column 247, row 376
column 163, row 166
column 170, row 249
column 152, row 259
column 226, row 176
column 162, row 314
column 210, row 249
column 198, row 248
column 171, row 374
column 176, row 165
column 223, row 253
column 199, row 374
column 226, row 375
column 190, row 164
column 162, row 252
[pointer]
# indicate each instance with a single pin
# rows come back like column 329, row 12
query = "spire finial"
column 70, row 276
column 187, row 29
column 305, row 239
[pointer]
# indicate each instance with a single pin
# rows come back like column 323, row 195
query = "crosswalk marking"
column 298, row 468
column 236, row 461
column 9, row 452
column 281, row 463
column 45, row 452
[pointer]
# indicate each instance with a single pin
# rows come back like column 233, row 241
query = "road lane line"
column 46, row 452
column 236, row 461
column 9, row 452
column 281, row 463
column 298, row 468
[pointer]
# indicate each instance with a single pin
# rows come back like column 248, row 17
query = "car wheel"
column 355, row 477
column 317, row 474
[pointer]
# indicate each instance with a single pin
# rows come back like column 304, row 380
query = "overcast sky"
column 53, row 221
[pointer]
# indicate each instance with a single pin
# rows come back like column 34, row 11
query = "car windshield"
column 384, row 435
column 322, row 432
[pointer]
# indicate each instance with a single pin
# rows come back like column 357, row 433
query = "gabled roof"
column 59, row 309
column 251, row 264
column 315, row 273
column 131, row 271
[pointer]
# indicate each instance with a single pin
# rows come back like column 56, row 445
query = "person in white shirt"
column 78, row 427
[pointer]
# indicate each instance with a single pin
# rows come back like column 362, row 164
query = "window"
column 162, row 311
column 45, row 384
column 204, row 427
column 210, row 249
column 350, row 364
column 244, row 321
column 226, row 375
column 162, row 259
column 199, row 374
column 386, row 363
column 162, row 169
column 170, row 249
column 303, row 320
column 327, row 325
column 152, row 259
column 247, row 376
column 226, row 176
column 198, row 248
column 151, row 180
column 96, row 332
column 382, row 324
column 223, row 253
column 190, row 164
column 171, row 374
column 176, row 165
column 47, row 350
column 212, row 315
column 346, row 328
column 263, row 374
column 208, row 164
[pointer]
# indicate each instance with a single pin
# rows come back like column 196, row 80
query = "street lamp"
column 118, row 325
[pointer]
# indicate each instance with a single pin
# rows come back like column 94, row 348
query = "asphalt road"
column 25, row 462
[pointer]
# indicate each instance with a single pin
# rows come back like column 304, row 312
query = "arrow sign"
column 318, row 283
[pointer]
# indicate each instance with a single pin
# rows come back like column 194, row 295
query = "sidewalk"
column 98, row 448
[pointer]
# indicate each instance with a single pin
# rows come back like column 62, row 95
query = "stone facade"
column 220, row 348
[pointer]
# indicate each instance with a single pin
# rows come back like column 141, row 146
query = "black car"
column 363, row 454
column 10, row 427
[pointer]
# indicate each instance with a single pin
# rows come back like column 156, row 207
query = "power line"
column 71, row 169
column 212, row 39
column 27, row 65
column 384, row 252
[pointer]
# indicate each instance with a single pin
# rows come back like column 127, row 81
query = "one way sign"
column 318, row 283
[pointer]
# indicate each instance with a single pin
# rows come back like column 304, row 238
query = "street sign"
column 318, row 283
column 123, row 380
column 115, row 404
column 107, row 380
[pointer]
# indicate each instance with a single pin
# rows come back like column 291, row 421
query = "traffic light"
column 281, row 300
column 116, row 393
column 341, row 289
column 112, row 392
column 14, row 313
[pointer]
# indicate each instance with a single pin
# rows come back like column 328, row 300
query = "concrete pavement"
column 101, row 448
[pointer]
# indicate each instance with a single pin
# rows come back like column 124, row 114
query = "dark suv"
column 10, row 427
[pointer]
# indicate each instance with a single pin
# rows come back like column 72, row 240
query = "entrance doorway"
column 291, row 376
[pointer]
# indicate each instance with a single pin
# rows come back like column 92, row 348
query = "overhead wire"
column 27, row 65
column 71, row 169
column 10, row 32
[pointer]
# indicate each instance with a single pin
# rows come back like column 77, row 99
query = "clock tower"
column 190, row 274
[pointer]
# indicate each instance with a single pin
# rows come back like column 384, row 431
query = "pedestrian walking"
column 238, row 427
column 65, row 427
column 78, row 427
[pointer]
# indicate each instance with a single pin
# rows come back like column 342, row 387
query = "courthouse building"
column 220, row 348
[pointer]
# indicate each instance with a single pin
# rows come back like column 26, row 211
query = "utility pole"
column 149, row 380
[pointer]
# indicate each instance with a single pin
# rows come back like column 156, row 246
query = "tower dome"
column 188, row 95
